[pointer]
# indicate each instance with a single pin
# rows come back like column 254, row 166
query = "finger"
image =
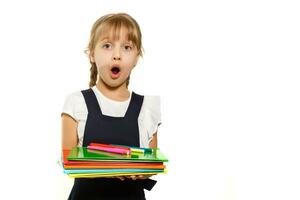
column 133, row 177
column 141, row 176
column 121, row 178
column 146, row 176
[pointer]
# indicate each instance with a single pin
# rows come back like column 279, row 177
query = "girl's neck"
column 120, row 93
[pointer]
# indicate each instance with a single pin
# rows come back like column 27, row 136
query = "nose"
column 117, row 58
column 116, row 54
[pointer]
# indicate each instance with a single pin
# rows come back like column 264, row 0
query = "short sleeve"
column 152, row 115
column 69, row 106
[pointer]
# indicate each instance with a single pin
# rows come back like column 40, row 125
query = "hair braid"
column 93, row 75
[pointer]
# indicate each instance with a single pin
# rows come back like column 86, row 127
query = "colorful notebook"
column 89, row 171
column 99, row 175
column 84, row 154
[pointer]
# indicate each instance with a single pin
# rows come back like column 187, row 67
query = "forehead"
column 114, row 35
column 116, row 32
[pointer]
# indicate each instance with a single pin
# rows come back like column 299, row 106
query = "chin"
column 114, row 84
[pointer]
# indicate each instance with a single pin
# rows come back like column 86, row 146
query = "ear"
column 91, row 56
column 135, row 62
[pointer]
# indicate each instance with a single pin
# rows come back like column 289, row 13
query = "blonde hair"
column 112, row 23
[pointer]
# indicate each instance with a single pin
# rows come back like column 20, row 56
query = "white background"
column 227, row 73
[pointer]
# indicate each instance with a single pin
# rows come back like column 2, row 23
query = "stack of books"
column 103, row 160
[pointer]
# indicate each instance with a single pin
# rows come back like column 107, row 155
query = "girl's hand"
column 133, row 177
column 122, row 178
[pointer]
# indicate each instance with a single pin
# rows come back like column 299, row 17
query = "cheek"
column 100, row 68
column 131, row 62
column 128, row 68
column 100, row 62
column 127, row 71
column 101, row 56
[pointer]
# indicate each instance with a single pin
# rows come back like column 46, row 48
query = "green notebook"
column 82, row 153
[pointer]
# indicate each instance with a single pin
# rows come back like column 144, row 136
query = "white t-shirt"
column 149, row 118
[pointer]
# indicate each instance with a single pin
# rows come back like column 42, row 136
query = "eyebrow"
column 108, row 39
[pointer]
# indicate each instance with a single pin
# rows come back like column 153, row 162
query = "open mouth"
column 115, row 70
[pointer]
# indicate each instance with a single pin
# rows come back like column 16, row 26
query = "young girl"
column 108, row 112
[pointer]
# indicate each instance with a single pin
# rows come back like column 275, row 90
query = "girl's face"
column 114, row 58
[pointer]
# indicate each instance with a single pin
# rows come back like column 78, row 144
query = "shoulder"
column 151, row 106
column 74, row 103
column 74, row 97
column 152, row 102
column 149, row 101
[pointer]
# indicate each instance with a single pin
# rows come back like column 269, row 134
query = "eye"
column 106, row 46
column 128, row 47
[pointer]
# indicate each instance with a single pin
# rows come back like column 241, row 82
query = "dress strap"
column 135, row 106
column 91, row 101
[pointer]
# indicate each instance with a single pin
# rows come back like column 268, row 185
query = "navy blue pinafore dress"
column 111, row 130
